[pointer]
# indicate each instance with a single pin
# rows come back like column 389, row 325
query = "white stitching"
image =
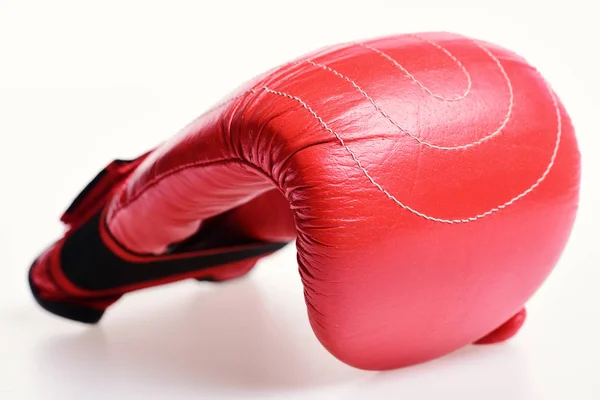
column 411, row 76
column 421, row 141
column 412, row 210
column 377, row 185
column 498, row 130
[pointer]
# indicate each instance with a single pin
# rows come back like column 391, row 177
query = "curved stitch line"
column 412, row 210
column 412, row 77
column 372, row 180
column 421, row 141
column 447, row 52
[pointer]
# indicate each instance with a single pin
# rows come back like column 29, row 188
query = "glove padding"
column 430, row 183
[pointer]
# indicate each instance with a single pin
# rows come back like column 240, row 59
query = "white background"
column 83, row 82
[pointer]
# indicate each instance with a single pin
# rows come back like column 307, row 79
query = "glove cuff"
column 88, row 270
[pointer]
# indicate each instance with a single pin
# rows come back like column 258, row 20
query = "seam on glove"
column 364, row 170
column 421, row 141
column 411, row 76
column 412, row 210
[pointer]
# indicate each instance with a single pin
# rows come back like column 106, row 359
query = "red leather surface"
column 432, row 182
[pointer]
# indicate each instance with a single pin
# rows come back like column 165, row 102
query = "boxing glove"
column 430, row 183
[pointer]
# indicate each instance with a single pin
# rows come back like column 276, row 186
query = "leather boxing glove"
column 430, row 183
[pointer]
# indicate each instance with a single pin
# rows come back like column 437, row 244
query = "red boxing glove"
column 430, row 182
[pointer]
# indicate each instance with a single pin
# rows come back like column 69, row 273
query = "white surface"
column 82, row 84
